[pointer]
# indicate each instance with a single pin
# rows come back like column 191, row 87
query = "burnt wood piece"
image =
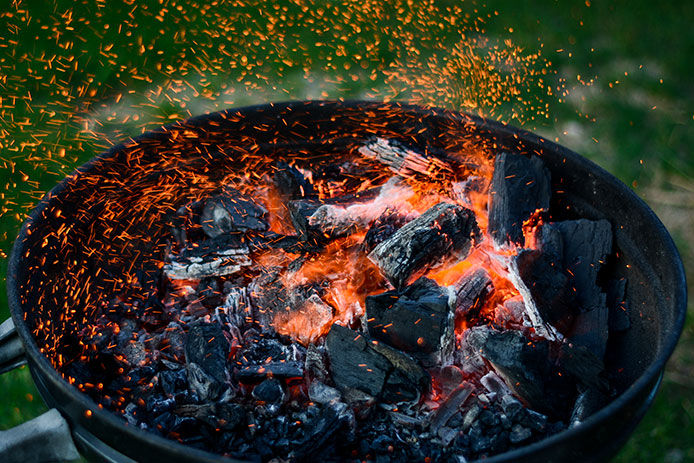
column 291, row 183
column 383, row 228
column 417, row 320
column 471, row 290
column 618, row 306
column 520, row 186
column 231, row 211
column 450, row 406
column 407, row 162
column 206, row 350
column 318, row 221
column 224, row 255
column 526, row 367
column 442, row 231
column 373, row 367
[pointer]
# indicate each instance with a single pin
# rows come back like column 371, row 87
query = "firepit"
column 331, row 274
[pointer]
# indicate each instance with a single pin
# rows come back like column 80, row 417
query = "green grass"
column 639, row 125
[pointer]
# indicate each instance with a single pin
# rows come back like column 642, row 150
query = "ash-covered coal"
column 342, row 313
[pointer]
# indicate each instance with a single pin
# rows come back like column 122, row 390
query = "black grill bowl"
column 59, row 235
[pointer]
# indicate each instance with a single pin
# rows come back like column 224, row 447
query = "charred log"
column 442, row 231
column 317, row 221
column 520, row 186
column 224, row 255
column 407, row 162
column 471, row 290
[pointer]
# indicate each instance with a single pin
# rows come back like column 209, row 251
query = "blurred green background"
column 611, row 80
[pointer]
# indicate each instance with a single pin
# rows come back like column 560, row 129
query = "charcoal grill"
column 41, row 257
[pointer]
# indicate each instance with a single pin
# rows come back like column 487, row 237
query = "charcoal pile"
column 311, row 317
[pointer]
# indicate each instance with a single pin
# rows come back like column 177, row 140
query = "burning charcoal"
column 471, row 415
column 232, row 212
column 589, row 401
column 383, row 228
column 511, row 313
column 464, row 191
column 135, row 353
column 274, row 369
column 520, row 186
column 372, row 367
column 237, row 306
column 342, row 216
column 519, row 434
column 291, row 183
column 417, row 320
column 539, row 276
column 206, row 349
column 443, row 230
column 618, row 319
column 305, row 319
column 226, row 416
column 321, row 393
column 269, row 391
column 224, row 255
column 525, row 366
column 450, row 406
column 470, row 291
column 403, row 161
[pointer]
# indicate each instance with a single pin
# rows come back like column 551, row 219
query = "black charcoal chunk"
column 321, row 393
column 283, row 370
column 231, row 211
column 520, row 186
column 203, row 384
column 291, row 183
column 206, row 346
column 269, row 391
column 206, row 349
column 445, row 230
column 333, row 426
column 519, row 434
column 450, row 406
column 373, row 367
column 525, row 366
column 417, row 320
